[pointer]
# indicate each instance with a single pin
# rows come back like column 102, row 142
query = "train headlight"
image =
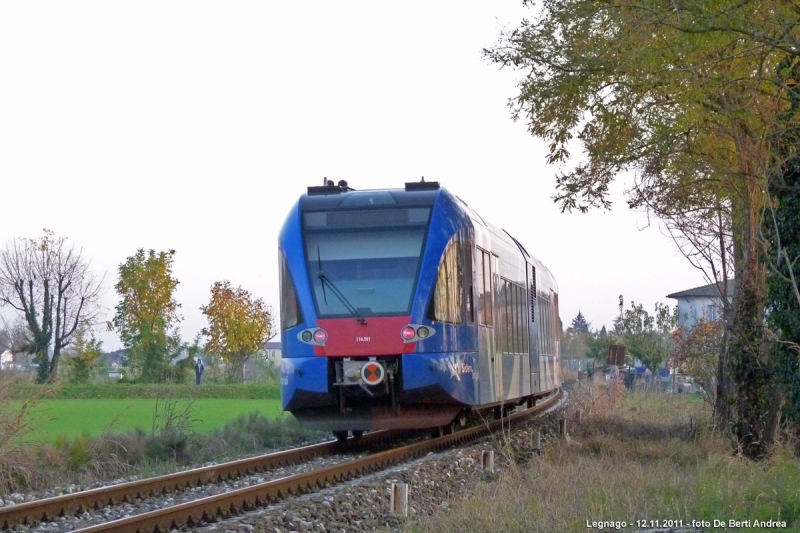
column 423, row 332
column 320, row 336
column 306, row 336
column 408, row 333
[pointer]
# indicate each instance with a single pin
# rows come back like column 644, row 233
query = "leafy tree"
column 696, row 352
column 51, row 286
column 87, row 351
column 648, row 338
column 238, row 326
column 597, row 345
column 146, row 313
column 782, row 233
column 689, row 96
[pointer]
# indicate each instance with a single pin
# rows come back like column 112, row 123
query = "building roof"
column 712, row 290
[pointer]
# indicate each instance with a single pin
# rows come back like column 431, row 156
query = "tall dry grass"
column 18, row 462
column 630, row 456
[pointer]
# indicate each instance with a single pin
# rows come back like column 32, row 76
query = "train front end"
column 357, row 272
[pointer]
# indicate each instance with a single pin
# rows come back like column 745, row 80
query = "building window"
column 711, row 313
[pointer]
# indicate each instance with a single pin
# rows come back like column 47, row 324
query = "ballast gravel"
column 359, row 505
column 144, row 505
column 363, row 505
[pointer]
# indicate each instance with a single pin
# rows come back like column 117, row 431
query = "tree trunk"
column 749, row 363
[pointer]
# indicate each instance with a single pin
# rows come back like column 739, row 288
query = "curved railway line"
column 225, row 505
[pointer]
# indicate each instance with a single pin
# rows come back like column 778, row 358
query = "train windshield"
column 371, row 257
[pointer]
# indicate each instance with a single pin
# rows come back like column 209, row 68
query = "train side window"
column 446, row 304
column 512, row 318
column 556, row 325
column 485, row 290
column 290, row 307
column 468, row 281
column 501, row 329
column 511, row 331
column 519, row 308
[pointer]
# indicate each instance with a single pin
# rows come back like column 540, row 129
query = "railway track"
column 225, row 505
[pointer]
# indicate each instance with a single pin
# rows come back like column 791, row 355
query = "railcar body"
column 403, row 308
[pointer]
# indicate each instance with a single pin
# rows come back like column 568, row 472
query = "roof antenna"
column 422, row 180
column 324, row 181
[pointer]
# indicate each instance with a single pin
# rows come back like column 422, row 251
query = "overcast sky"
column 195, row 126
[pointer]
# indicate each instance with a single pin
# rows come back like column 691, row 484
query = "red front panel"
column 379, row 336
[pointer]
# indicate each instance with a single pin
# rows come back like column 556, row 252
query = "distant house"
column 701, row 303
column 18, row 361
column 273, row 352
column 254, row 368
column 6, row 360
column 113, row 362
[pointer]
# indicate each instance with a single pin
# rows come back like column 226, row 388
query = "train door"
column 488, row 358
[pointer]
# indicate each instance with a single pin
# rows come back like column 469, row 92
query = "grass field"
column 50, row 419
column 630, row 456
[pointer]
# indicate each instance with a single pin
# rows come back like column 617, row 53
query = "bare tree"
column 51, row 287
column 15, row 337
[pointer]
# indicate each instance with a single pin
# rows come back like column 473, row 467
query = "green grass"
column 51, row 419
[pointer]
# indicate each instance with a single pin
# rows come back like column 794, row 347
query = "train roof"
column 421, row 193
column 342, row 196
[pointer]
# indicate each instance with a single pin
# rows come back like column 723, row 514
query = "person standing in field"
column 198, row 370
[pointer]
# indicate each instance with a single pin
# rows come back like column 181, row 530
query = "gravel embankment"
column 359, row 505
column 90, row 518
column 363, row 504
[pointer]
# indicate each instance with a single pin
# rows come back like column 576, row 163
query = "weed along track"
column 124, row 494
column 223, row 492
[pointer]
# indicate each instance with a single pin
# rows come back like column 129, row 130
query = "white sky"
column 196, row 125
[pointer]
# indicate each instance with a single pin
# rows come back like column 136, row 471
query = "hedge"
column 146, row 390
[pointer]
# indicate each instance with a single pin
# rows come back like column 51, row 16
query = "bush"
column 127, row 390
column 254, row 434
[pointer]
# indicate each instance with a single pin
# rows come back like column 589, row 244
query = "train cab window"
column 447, row 301
column 485, row 289
column 290, row 307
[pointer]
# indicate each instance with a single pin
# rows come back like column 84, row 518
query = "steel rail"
column 48, row 509
column 208, row 509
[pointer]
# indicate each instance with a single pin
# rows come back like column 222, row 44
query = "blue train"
column 403, row 308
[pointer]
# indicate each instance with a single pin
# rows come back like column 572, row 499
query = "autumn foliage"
column 238, row 326
column 696, row 353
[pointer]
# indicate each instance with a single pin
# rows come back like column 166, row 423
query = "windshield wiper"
column 336, row 292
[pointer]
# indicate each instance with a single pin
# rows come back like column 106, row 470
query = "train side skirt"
column 377, row 417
